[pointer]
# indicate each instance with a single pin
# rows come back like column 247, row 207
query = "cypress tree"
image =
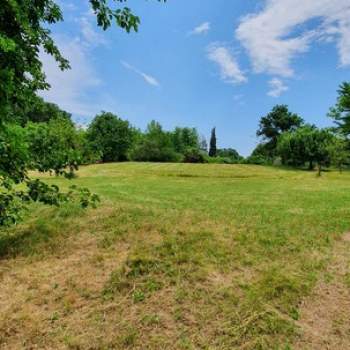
column 212, row 149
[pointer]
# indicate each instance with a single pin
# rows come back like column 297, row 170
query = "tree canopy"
column 341, row 111
column 307, row 144
column 110, row 136
column 276, row 122
column 212, row 144
column 24, row 33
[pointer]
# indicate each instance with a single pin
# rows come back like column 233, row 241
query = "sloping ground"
column 53, row 289
column 325, row 314
column 177, row 257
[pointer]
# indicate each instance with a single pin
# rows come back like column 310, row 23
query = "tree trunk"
column 319, row 169
column 311, row 165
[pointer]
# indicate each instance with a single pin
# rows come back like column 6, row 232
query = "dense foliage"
column 341, row 111
column 288, row 140
column 212, row 144
column 271, row 126
column 53, row 146
column 111, row 137
column 307, row 144
column 24, row 33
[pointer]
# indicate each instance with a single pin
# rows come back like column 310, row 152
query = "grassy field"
column 177, row 256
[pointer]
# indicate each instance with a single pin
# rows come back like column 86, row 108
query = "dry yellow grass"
column 176, row 257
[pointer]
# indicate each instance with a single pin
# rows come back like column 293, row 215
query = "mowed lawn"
column 176, row 256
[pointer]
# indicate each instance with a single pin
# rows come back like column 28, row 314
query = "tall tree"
column 111, row 136
column 24, row 33
column 278, row 121
column 184, row 138
column 212, row 147
column 341, row 111
column 156, row 145
column 307, row 144
column 41, row 111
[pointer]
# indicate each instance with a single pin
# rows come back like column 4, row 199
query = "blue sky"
column 204, row 63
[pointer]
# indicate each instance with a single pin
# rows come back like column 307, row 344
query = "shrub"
column 194, row 155
column 257, row 160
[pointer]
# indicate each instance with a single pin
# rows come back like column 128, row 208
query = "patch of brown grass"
column 325, row 314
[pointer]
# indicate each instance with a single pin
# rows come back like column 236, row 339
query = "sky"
column 204, row 64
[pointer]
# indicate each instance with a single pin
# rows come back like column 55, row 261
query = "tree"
column 339, row 153
column 184, row 138
column 54, row 146
column 35, row 147
column 89, row 154
column 307, row 144
column 156, row 145
column 42, row 111
column 111, row 136
column 341, row 111
column 212, row 148
column 278, row 121
column 260, row 155
column 23, row 34
column 229, row 153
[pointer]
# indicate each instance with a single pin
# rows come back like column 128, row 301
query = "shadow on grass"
column 40, row 233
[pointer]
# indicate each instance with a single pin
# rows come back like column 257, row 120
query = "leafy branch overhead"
column 24, row 32
column 51, row 146
column 124, row 17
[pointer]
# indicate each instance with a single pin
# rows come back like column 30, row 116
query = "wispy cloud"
column 229, row 69
column 69, row 89
column 277, row 87
column 147, row 78
column 203, row 28
column 268, row 36
column 67, row 5
column 89, row 34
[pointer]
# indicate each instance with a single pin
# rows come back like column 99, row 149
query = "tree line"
column 36, row 135
column 288, row 140
column 54, row 143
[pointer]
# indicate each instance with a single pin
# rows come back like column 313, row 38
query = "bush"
column 149, row 151
column 53, row 146
column 221, row 160
column 194, row 155
column 155, row 146
column 257, row 160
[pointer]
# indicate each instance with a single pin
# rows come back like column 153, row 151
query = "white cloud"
column 69, row 89
column 229, row 68
column 67, row 5
column 89, row 34
column 275, row 35
column 277, row 87
column 201, row 29
column 148, row 78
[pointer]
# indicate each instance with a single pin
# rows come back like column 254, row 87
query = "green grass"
column 211, row 256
